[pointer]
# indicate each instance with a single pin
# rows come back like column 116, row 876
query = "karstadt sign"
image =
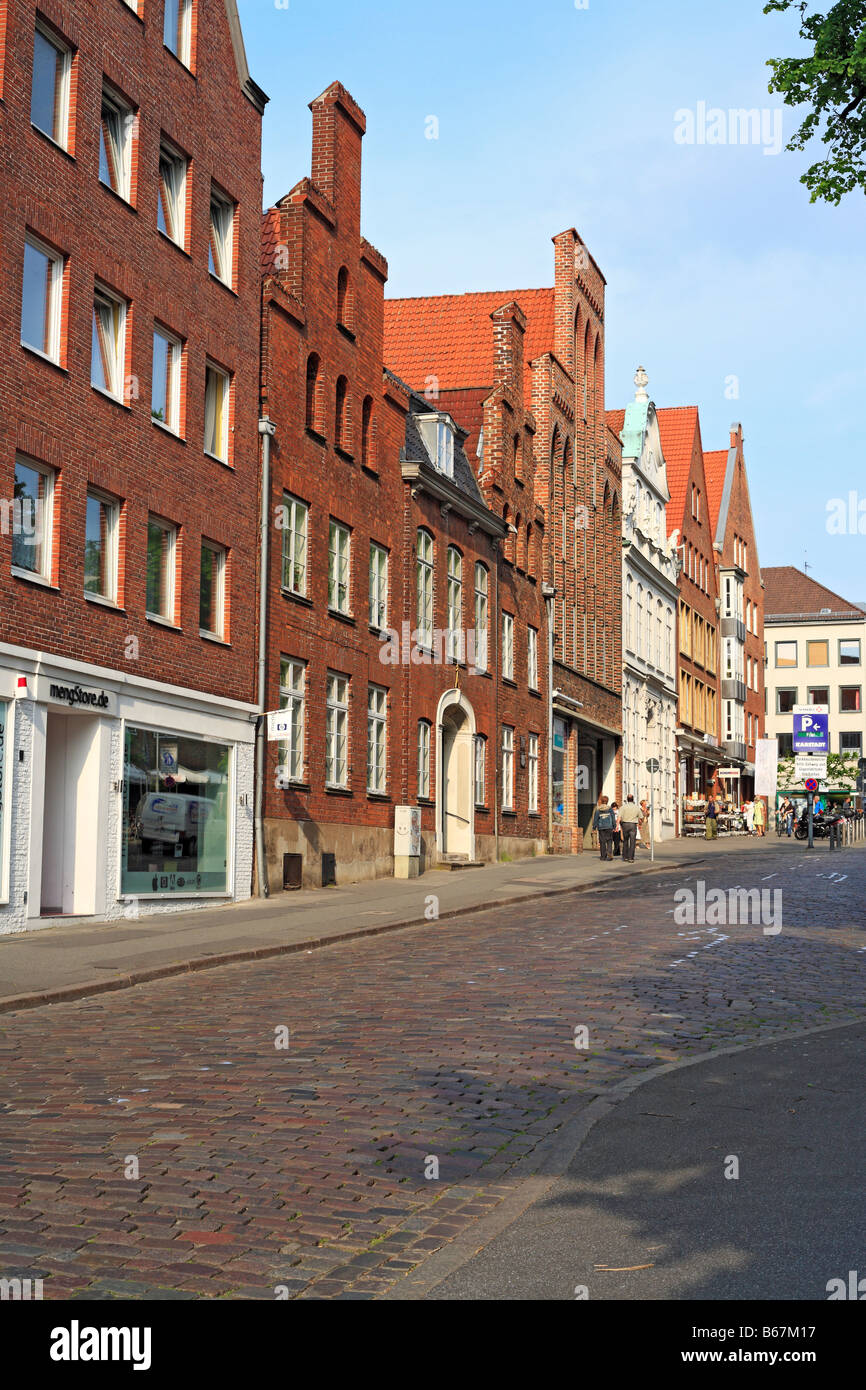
column 811, row 728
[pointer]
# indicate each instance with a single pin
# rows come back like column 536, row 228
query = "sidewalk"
column 69, row 962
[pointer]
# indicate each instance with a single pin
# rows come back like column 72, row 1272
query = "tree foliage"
column 831, row 78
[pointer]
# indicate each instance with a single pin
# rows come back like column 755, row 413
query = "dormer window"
column 437, row 431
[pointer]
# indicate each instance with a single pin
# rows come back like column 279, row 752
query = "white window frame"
column 337, row 731
column 45, row 522
column 295, row 539
column 177, row 29
column 117, row 144
column 507, row 767
column 445, row 447
column 53, row 298
column 293, row 697
column 171, row 201
column 222, row 237
column 424, row 729
column 454, row 582
column 220, row 553
column 532, row 764
column 339, row 568
column 170, row 530
column 61, row 91
column 424, row 588
column 480, row 769
column 114, row 366
column 217, row 389
column 507, row 647
column 482, row 615
column 174, row 359
column 532, row 657
column 112, row 550
column 377, row 740
column 378, row 586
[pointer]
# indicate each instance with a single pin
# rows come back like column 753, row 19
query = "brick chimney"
column 338, row 129
column 509, row 326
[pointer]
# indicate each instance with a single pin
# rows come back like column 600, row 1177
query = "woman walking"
column 760, row 816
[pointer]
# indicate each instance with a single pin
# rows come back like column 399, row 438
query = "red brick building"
column 406, row 650
column 129, row 285
column 689, row 519
column 442, row 346
column 741, row 616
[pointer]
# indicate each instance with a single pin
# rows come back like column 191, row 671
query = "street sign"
column 810, row 765
column 279, row 725
column 811, row 784
column 811, row 728
column 653, row 765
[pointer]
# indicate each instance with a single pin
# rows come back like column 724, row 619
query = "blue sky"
column 551, row 116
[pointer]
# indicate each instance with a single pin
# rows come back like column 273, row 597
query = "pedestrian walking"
column 712, row 827
column 629, row 819
column 749, row 813
column 617, row 832
column 760, row 816
column 645, row 826
column 604, row 822
column 786, row 811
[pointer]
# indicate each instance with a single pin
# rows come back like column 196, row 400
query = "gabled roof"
column 250, row 88
column 678, row 425
column 789, row 593
column 450, row 336
column 715, row 471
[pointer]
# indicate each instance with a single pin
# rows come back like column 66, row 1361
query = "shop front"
column 118, row 798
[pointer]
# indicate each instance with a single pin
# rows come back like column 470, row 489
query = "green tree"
column 831, row 78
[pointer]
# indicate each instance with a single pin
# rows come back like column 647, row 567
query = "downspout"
column 497, row 677
column 267, row 430
column 549, row 599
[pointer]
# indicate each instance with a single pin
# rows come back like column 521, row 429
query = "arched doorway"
column 456, row 790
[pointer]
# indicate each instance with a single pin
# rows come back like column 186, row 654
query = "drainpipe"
column 497, row 677
column 267, row 430
column 549, row 594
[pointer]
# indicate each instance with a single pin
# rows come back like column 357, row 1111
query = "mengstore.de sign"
column 74, row 696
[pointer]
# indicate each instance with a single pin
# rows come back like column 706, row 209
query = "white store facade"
column 649, row 630
column 119, row 797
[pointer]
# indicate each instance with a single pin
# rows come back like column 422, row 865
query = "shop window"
column 176, row 808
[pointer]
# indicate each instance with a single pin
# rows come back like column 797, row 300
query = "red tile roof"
column 715, row 469
column 615, row 420
column 789, row 592
column 678, row 426
column 450, row 336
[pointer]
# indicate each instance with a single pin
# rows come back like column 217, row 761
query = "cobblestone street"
column 159, row 1142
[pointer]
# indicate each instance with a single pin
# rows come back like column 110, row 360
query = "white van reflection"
column 162, row 819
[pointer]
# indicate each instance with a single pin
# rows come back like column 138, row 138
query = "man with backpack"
column 604, row 821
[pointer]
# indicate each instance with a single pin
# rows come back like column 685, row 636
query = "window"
column 161, row 543
column 292, row 696
column 423, row 758
column 481, row 583
column 532, row 657
column 507, row 646
column 786, row 654
column 445, row 448
column 818, row 695
column 507, row 768
column 32, row 519
column 454, row 650
column 378, row 587
column 171, row 203
column 217, row 387
column 295, row 518
column 480, row 770
column 222, row 235
column 849, row 699
column 337, row 732
column 377, row 718
column 175, row 840
column 849, row 652
column 339, row 539
column 818, row 653
column 786, row 745
column 177, row 28
column 851, row 743
column 424, row 585
column 41, row 293
column 115, row 144
column 165, row 387
column 49, row 93
column 533, row 772
column 211, row 603
column 108, row 345
column 100, row 546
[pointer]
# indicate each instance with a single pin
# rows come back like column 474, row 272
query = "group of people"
column 621, row 829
